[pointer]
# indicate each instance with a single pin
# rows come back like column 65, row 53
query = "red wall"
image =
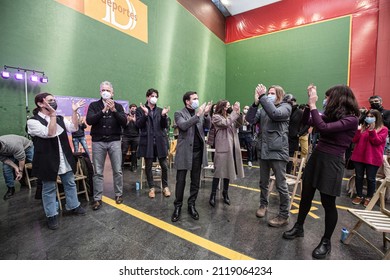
column 292, row 13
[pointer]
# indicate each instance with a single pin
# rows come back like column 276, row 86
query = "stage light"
column 44, row 79
column 34, row 78
column 5, row 74
column 19, row 76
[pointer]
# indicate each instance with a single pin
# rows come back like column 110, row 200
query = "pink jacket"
column 369, row 146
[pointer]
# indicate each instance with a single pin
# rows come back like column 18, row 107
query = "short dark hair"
column 132, row 105
column 375, row 97
column 150, row 92
column 187, row 96
column 39, row 99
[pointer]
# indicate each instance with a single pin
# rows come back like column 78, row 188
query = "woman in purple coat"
column 325, row 168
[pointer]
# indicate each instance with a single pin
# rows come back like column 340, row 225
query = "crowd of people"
column 271, row 129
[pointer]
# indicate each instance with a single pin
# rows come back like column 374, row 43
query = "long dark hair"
column 219, row 109
column 39, row 99
column 378, row 118
column 341, row 103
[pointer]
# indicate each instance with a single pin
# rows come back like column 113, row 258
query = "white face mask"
column 245, row 111
column 153, row 100
column 106, row 95
column 195, row 104
column 271, row 97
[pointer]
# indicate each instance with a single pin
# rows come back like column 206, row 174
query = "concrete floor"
column 141, row 228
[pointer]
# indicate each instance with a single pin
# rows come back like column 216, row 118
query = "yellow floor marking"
column 294, row 211
column 197, row 240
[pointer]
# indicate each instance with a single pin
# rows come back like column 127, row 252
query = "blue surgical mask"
column 271, row 97
column 324, row 102
column 195, row 104
column 369, row 120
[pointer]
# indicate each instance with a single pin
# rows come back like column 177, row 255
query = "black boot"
column 214, row 187
column 296, row 231
column 176, row 214
column 225, row 191
column 10, row 192
column 226, row 198
column 323, row 249
column 193, row 213
column 212, row 199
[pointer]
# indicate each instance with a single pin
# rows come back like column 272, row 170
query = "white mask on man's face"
column 106, row 95
column 153, row 100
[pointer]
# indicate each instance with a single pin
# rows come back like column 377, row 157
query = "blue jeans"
column 49, row 194
column 76, row 141
column 8, row 171
column 99, row 154
column 371, row 171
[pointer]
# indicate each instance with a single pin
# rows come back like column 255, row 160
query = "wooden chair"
column 376, row 220
column 79, row 178
column 27, row 167
column 172, row 152
column 291, row 180
column 156, row 171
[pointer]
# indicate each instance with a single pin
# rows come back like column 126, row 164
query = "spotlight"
column 18, row 76
column 44, row 79
column 34, row 78
column 5, row 74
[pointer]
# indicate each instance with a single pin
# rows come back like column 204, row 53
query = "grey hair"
column 107, row 83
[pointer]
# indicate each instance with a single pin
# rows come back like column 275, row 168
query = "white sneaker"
column 249, row 163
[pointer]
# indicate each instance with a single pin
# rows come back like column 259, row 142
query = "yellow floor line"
column 197, row 240
column 296, row 198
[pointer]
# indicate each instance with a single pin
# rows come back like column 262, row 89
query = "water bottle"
column 137, row 186
column 344, row 234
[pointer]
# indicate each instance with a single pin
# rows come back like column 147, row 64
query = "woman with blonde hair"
column 370, row 141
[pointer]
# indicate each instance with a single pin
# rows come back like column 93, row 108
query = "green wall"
column 294, row 58
column 77, row 53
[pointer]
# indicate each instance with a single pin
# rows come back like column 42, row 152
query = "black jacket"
column 46, row 160
column 107, row 126
column 153, row 129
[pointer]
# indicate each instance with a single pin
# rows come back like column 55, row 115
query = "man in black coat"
column 106, row 118
column 153, row 143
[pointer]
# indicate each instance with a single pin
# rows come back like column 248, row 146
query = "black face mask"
column 53, row 104
column 229, row 110
column 376, row 106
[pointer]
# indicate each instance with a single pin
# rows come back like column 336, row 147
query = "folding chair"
column 79, row 177
column 376, row 220
column 156, row 171
column 27, row 167
column 172, row 152
column 295, row 180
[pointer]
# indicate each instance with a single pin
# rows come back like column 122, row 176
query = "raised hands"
column 144, row 108
column 165, row 110
column 77, row 105
column 313, row 97
column 111, row 105
column 236, row 107
column 207, row 109
column 260, row 89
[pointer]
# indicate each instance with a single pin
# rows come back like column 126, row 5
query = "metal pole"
column 25, row 90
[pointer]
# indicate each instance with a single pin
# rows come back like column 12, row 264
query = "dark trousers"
column 327, row 201
column 133, row 143
column 246, row 142
column 371, row 171
column 195, row 180
column 149, row 173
